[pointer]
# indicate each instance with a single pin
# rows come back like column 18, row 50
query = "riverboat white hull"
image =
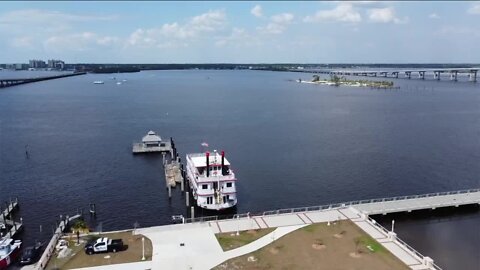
column 211, row 180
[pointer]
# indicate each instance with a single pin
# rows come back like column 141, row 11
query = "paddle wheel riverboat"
column 211, row 180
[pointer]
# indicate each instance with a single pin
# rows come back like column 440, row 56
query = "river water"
column 290, row 144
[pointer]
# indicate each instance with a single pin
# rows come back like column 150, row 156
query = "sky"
column 241, row 32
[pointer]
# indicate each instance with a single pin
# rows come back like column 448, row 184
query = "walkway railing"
column 406, row 246
column 330, row 206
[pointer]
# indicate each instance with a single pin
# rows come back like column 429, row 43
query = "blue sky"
column 241, row 32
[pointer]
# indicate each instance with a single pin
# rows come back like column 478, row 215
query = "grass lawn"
column 336, row 247
column 78, row 258
column 231, row 240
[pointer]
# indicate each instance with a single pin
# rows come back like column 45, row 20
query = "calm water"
column 290, row 144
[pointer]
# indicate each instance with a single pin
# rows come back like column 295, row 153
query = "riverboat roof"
column 200, row 159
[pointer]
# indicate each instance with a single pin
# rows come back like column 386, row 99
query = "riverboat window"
column 204, row 186
column 229, row 184
column 209, row 200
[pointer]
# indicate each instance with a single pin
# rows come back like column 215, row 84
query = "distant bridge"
column 406, row 73
column 18, row 81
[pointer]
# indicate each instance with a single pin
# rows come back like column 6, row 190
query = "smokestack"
column 223, row 163
column 208, row 164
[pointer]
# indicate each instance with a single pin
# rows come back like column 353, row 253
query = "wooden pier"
column 12, row 226
column 139, row 148
column 173, row 173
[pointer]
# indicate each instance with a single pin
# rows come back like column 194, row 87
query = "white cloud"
column 209, row 21
column 448, row 31
column 344, row 12
column 257, row 11
column 78, row 42
column 38, row 16
column 433, row 16
column 170, row 34
column 385, row 15
column 22, row 42
column 283, row 18
column 475, row 9
column 238, row 38
column 278, row 23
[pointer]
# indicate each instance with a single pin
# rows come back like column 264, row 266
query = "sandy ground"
column 342, row 246
column 132, row 253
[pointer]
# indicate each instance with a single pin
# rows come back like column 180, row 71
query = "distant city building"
column 37, row 64
column 56, row 64
column 17, row 66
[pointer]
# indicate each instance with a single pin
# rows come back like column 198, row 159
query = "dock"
column 12, row 227
column 173, row 174
column 13, row 82
column 152, row 143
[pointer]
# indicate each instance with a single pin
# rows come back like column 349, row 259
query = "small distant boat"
column 98, row 82
column 124, row 80
column 118, row 83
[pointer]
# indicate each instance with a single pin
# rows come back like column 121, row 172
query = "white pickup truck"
column 103, row 244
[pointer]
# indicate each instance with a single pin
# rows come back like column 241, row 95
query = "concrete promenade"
column 194, row 245
column 419, row 202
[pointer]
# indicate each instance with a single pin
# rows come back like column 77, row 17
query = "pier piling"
column 192, row 212
column 187, row 198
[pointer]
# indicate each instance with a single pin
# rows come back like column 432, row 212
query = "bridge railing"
column 328, row 206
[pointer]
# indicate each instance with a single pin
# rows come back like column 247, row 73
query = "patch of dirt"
column 355, row 255
column 339, row 235
column 274, row 250
column 318, row 246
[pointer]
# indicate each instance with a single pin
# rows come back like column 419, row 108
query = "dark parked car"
column 30, row 254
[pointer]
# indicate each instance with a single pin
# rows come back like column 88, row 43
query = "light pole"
column 143, row 248
column 238, row 225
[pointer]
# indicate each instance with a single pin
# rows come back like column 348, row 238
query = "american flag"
column 204, row 144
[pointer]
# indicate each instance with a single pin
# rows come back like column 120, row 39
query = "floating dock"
column 152, row 143
column 173, row 173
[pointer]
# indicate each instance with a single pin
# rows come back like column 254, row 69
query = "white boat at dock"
column 152, row 143
column 9, row 251
column 98, row 82
column 212, row 181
